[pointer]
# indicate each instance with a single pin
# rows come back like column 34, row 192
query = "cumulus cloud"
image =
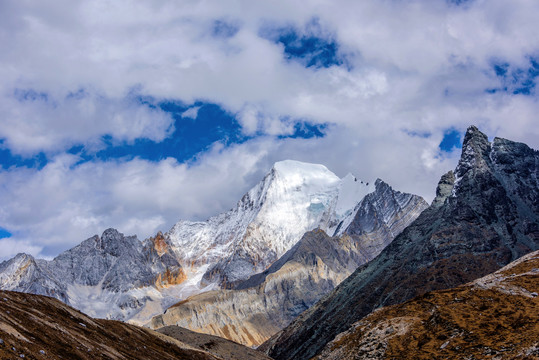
column 75, row 72
column 34, row 122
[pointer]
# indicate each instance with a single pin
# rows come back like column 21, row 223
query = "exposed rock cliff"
column 489, row 218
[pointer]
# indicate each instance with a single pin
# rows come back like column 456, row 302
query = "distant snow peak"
column 297, row 167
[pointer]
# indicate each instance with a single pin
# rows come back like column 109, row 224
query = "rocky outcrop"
column 268, row 301
column 40, row 327
column 26, row 274
column 488, row 219
column 493, row 317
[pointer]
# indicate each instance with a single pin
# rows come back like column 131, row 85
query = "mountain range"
column 120, row 277
column 266, row 302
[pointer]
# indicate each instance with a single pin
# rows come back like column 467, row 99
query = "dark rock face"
column 381, row 216
column 485, row 218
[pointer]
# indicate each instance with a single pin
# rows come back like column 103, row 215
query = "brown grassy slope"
column 40, row 327
column 495, row 317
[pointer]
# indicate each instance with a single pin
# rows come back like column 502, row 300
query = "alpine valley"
column 306, row 265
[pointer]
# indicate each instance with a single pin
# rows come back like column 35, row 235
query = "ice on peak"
column 286, row 167
column 351, row 191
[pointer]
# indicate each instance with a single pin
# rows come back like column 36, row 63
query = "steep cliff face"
column 268, row 301
column 485, row 215
column 493, row 317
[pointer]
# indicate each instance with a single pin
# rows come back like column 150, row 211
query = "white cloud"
column 11, row 247
column 417, row 67
column 191, row 113
column 33, row 123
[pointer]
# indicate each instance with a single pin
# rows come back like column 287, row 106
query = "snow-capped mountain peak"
column 294, row 197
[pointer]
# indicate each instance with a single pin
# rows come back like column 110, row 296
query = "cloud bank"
column 89, row 138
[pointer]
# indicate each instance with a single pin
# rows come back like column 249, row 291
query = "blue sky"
column 135, row 115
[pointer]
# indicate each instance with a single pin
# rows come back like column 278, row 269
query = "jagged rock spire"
column 475, row 151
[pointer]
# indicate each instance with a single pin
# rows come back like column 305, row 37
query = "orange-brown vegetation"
column 496, row 317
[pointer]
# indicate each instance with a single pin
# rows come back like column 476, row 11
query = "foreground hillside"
column 485, row 215
column 494, row 317
column 40, row 327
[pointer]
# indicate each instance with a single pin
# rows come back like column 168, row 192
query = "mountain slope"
column 268, row 301
column 485, row 215
column 493, row 317
column 40, row 327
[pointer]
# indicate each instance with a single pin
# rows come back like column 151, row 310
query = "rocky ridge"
column 268, row 301
column 486, row 215
column 492, row 317
column 101, row 276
